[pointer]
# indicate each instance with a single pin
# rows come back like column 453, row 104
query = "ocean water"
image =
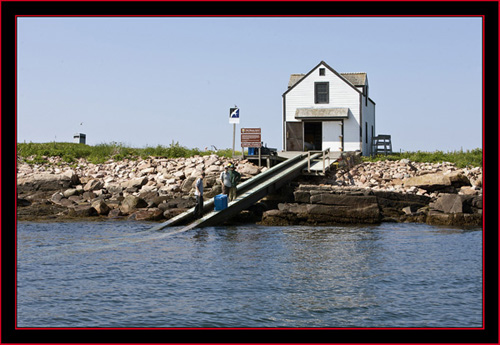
column 121, row 274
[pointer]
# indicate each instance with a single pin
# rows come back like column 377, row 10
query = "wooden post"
column 234, row 136
column 259, row 157
column 324, row 161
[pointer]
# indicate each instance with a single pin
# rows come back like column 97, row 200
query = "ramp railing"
column 250, row 191
column 325, row 156
column 243, row 187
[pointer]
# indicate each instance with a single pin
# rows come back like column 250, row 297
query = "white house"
column 326, row 109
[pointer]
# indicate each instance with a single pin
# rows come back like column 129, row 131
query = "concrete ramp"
column 249, row 192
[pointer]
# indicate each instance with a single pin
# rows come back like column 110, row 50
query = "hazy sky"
column 153, row 80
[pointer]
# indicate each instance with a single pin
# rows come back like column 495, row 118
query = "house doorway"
column 294, row 136
column 313, row 138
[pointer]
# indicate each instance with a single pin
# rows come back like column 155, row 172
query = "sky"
column 148, row 81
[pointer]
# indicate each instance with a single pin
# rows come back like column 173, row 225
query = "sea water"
column 122, row 274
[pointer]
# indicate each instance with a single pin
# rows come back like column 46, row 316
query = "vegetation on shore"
column 461, row 159
column 36, row 153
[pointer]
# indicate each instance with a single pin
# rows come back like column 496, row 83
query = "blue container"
column 251, row 151
column 220, row 202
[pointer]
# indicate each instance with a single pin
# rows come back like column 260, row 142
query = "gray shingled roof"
column 294, row 78
column 356, row 79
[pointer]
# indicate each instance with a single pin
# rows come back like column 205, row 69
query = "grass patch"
column 461, row 159
column 37, row 153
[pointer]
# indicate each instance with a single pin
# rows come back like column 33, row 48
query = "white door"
column 332, row 135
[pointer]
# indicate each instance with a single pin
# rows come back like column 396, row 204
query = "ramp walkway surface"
column 249, row 192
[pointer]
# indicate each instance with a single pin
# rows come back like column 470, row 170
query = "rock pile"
column 405, row 176
column 400, row 191
column 156, row 189
column 150, row 189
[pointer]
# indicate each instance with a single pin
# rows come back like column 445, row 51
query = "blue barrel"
column 220, row 202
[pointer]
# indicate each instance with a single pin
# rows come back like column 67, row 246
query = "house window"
column 321, row 93
column 321, row 71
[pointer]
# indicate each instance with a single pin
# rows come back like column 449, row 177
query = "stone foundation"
column 329, row 205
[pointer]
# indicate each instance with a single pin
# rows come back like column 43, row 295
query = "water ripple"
column 120, row 274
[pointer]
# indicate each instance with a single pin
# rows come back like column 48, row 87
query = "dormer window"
column 321, row 71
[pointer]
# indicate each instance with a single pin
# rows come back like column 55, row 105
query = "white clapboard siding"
column 302, row 95
column 342, row 94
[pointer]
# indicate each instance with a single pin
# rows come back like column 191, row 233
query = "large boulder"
column 93, row 185
column 448, row 203
column 187, row 184
column 82, row 211
column 437, row 181
column 353, row 201
column 47, row 182
column 135, row 183
column 329, row 205
column 101, row 207
column 454, row 219
column 115, row 213
column 340, row 209
column 113, row 188
column 279, row 218
column 130, row 203
column 40, row 210
column 302, row 196
column 248, row 169
column 393, row 205
column 456, row 203
column 147, row 215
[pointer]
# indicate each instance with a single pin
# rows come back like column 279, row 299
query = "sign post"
column 234, row 118
column 251, row 137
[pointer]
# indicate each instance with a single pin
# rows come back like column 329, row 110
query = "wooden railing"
column 325, row 156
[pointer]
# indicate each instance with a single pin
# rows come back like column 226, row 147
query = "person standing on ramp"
column 235, row 179
column 198, row 192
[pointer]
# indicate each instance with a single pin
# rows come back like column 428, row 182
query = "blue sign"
column 234, row 115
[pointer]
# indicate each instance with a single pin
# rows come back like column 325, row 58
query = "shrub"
column 97, row 154
column 461, row 159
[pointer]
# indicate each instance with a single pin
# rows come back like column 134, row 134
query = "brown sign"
column 250, row 140
column 251, row 144
column 250, row 130
column 250, row 137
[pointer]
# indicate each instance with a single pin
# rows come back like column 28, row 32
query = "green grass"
column 70, row 152
column 461, row 159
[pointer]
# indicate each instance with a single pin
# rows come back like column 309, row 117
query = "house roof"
column 294, row 78
column 354, row 79
column 323, row 113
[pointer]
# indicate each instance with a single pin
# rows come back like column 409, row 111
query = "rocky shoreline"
column 151, row 189
column 157, row 189
column 387, row 191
